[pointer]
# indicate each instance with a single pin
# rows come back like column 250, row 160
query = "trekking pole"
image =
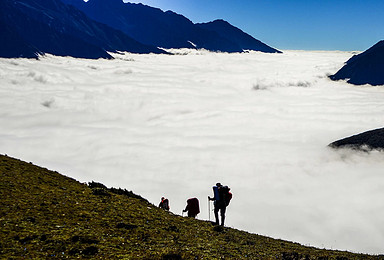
column 209, row 209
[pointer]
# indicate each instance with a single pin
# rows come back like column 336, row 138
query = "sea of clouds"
column 174, row 125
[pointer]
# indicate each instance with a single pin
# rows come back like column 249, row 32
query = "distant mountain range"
column 154, row 27
column 50, row 26
column 94, row 28
column 364, row 68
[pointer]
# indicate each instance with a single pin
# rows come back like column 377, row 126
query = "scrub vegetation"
column 44, row 214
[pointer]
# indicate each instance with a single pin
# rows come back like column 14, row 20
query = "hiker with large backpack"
column 164, row 203
column 221, row 199
column 192, row 207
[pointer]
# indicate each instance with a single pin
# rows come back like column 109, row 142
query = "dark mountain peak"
column 222, row 27
column 379, row 44
column 220, row 22
column 364, row 68
column 177, row 18
column 140, row 6
column 237, row 36
column 375, row 48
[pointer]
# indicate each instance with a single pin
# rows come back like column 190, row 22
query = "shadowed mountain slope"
column 232, row 33
column 46, row 215
column 373, row 139
column 364, row 68
column 163, row 29
column 12, row 44
column 30, row 27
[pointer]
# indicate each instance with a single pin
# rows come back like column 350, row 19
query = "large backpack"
column 216, row 194
column 193, row 206
column 226, row 194
column 166, row 204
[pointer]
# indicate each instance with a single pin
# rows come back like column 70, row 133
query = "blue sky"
column 292, row 24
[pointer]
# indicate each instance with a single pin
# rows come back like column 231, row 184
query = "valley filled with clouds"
column 174, row 125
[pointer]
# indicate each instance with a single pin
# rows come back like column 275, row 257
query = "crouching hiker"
column 221, row 199
column 192, row 207
column 164, row 203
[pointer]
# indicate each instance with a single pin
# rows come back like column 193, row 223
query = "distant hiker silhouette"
column 164, row 203
column 192, row 207
column 221, row 198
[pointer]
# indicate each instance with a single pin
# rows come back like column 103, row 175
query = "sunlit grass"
column 44, row 214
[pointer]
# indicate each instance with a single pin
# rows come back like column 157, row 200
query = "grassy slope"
column 44, row 214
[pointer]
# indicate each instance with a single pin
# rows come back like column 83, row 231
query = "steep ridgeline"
column 365, row 68
column 167, row 29
column 370, row 140
column 32, row 27
column 234, row 34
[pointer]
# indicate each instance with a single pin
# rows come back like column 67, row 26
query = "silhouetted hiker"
column 192, row 207
column 221, row 198
column 164, row 203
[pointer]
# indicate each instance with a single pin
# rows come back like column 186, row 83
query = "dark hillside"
column 364, row 68
column 46, row 215
column 31, row 27
column 369, row 140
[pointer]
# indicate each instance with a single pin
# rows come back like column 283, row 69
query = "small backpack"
column 228, row 198
column 166, row 204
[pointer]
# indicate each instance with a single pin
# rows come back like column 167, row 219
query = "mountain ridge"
column 167, row 29
column 50, row 26
column 364, row 68
column 92, row 29
column 366, row 141
column 239, row 37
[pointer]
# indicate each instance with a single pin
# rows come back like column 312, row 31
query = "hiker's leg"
column 216, row 210
column 222, row 213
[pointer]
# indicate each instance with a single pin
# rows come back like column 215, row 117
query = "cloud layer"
column 175, row 125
